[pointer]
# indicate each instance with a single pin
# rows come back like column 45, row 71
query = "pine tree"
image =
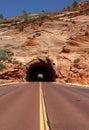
column 1, row 16
column 75, row 3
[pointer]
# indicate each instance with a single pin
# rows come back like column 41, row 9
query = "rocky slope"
column 62, row 37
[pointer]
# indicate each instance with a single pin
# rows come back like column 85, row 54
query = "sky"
column 12, row 8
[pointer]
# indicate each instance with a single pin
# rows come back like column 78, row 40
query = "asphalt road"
column 19, row 107
column 67, row 107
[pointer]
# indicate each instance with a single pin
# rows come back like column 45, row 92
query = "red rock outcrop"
column 61, row 38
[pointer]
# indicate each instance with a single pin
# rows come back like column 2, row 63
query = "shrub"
column 2, row 66
column 9, row 53
column 25, row 14
column 1, row 16
column 43, row 15
column 15, row 62
column 17, row 20
column 75, row 3
column 5, row 54
column 77, row 60
column 31, row 19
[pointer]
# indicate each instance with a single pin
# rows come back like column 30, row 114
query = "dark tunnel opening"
column 40, row 72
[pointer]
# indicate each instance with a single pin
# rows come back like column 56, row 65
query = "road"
column 19, row 107
column 67, row 107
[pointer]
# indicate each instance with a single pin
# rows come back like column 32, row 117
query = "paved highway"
column 24, row 106
column 19, row 107
column 67, row 107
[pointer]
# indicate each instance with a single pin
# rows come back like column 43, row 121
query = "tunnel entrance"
column 40, row 71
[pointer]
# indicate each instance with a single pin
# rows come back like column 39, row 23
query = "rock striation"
column 62, row 38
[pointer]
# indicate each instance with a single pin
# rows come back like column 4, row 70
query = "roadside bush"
column 2, row 66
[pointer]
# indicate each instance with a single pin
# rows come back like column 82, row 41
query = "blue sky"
column 11, row 8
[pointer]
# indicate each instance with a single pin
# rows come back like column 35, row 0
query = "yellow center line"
column 43, row 115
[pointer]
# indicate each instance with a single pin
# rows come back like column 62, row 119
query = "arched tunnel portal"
column 40, row 71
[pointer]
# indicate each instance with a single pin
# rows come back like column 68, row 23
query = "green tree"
column 25, row 14
column 1, row 16
column 75, row 3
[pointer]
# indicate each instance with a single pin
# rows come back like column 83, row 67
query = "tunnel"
column 40, row 71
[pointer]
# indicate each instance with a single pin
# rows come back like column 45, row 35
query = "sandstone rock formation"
column 59, row 38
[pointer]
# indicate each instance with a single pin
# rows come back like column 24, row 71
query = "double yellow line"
column 43, row 114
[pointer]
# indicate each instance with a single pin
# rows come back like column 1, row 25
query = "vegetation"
column 15, row 62
column 5, row 54
column 2, row 66
column 1, row 16
column 17, row 20
column 9, row 53
column 77, row 60
column 25, row 14
column 28, row 18
column 75, row 3
column 32, row 19
column 43, row 15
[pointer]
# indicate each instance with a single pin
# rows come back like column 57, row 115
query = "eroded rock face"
column 31, row 70
column 60, row 46
column 42, row 67
column 61, row 70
